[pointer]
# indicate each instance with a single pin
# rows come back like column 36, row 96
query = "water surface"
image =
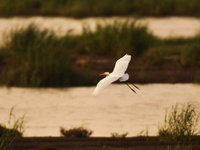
column 117, row 109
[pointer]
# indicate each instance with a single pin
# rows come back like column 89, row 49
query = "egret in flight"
column 118, row 73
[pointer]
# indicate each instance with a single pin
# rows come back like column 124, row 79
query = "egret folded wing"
column 104, row 83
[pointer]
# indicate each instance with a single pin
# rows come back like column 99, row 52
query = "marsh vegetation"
column 180, row 124
column 34, row 57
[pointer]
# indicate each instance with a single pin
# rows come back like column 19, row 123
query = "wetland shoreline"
column 97, row 143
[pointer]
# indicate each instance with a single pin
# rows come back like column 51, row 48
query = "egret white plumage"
column 118, row 73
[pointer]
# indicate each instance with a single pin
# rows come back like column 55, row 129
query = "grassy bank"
column 32, row 57
column 85, row 8
column 180, row 131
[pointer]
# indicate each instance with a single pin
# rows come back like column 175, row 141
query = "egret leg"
column 135, row 86
column 130, row 87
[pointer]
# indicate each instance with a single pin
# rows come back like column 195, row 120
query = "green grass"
column 181, row 124
column 85, row 8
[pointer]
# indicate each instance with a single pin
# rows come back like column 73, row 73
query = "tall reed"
column 116, row 39
column 181, row 124
column 37, row 58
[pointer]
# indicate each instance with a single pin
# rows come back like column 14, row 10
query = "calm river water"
column 116, row 109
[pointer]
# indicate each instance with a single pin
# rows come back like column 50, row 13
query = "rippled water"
column 116, row 109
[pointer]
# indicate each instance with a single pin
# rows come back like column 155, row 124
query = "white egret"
column 118, row 73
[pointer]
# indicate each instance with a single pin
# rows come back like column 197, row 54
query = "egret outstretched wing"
column 102, row 84
column 118, row 73
column 121, row 65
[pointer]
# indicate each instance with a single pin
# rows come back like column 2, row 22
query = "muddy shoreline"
column 98, row 143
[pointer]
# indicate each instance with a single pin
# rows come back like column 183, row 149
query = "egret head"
column 104, row 74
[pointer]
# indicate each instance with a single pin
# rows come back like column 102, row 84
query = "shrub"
column 78, row 132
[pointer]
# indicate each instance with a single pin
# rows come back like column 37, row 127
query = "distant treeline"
column 32, row 57
column 92, row 8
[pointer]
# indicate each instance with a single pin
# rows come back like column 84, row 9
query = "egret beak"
column 102, row 74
